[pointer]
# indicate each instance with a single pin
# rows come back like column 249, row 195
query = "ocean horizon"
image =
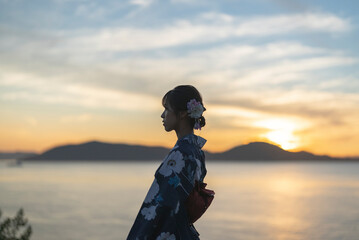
column 254, row 200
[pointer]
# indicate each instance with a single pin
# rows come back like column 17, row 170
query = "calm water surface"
column 289, row 201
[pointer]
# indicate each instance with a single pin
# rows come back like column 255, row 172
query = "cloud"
column 34, row 89
column 184, row 32
column 314, row 105
column 216, row 18
column 243, row 55
column 84, row 47
column 232, row 68
column 308, row 115
column 301, row 22
column 141, row 3
column 91, row 10
column 292, row 70
column 123, row 68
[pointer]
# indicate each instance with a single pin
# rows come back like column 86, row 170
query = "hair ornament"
column 195, row 110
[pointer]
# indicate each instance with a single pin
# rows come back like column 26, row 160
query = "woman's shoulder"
column 188, row 152
column 191, row 141
column 186, row 148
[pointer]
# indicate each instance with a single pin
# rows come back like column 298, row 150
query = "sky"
column 281, row 71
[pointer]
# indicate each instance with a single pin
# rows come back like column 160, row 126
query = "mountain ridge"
column 102, row 151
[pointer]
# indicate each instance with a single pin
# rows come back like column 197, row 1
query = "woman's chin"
column 167, row 130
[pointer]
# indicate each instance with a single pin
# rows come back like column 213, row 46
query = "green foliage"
column 10, row 228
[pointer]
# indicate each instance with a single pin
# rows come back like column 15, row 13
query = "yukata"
column 163, row 213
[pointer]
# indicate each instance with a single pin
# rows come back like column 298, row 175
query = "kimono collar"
column 194, row 139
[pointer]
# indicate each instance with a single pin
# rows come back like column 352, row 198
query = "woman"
column 163, row 212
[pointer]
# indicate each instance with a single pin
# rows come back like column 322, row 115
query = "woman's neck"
column 183, row 132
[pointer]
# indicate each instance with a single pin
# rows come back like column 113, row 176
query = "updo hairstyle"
column 178, row 98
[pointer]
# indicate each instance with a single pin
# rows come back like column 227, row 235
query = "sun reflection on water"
column 285, row 201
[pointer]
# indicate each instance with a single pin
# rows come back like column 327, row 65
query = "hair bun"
column 202, row 121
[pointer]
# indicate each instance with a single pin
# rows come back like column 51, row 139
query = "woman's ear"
column 183, row 114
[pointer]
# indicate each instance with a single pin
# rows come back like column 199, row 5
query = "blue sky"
column 259, row 65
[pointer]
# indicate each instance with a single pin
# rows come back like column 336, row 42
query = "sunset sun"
column 281, row 132
column 284, row 138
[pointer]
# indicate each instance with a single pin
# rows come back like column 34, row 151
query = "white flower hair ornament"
column 195, row 110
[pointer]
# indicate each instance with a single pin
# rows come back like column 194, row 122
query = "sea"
column 253, row 200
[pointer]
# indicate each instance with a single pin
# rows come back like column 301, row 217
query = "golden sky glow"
column 281, row 131
column 98, row 72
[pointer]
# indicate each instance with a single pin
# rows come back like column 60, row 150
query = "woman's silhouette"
column 163, row 213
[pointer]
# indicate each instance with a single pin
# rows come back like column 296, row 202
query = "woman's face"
column 170, row 120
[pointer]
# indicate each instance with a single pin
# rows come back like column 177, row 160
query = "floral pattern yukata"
column 163, row 214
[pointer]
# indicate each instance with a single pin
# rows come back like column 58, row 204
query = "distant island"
column 101, row 151
column 15, row 155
